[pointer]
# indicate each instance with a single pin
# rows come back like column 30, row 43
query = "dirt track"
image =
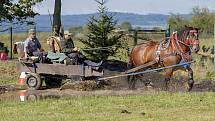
column 9, row 93
column 118, row 86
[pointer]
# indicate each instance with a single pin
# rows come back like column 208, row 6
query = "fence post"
column 135, row 37
column 169, row 29
column 167, row 32
column 214, row 46
column 11, row 42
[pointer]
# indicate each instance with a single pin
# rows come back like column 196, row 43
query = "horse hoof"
column 190, row 84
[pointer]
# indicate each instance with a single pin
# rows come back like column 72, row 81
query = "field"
column 200, row 72
column 155, row 106
column 151, row 105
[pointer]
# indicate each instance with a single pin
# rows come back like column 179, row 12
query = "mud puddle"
column 116, row 88
column 29, row 95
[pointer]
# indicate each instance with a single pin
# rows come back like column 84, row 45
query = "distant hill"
column 80, row 20
column 43, row 22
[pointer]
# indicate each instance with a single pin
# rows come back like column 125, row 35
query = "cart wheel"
column 34, row 82
column 53, row 83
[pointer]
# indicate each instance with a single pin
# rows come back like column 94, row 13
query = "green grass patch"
column 9, row 73
column 150, row 107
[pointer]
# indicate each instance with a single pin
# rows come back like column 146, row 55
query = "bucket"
column 3, row 56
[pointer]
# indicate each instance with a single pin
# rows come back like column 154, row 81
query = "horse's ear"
column 196, row 28
column 186, row 26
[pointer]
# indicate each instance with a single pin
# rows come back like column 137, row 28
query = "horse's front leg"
column 168, row 75
column 190, row 81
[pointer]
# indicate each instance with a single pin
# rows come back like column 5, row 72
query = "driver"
column 67, row 47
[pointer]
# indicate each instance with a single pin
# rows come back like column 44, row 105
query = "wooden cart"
column 53, row 74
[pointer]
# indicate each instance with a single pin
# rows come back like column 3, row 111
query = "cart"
column 53, row 74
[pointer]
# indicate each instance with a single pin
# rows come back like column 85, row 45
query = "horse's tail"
column 130, row 60
column 129, row 64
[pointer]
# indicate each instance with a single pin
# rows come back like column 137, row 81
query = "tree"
column 203, row 19
column 177, row 22
column 101, row 35
column 20, row 10
column 57, row 17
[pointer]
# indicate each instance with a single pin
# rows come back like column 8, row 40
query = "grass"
column 9, row 74
column 160, row 106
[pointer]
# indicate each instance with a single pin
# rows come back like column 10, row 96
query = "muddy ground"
column 117, row 86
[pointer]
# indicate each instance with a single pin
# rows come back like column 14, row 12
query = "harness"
column 177, row 49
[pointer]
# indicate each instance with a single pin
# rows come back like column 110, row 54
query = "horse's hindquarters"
column 142, row 54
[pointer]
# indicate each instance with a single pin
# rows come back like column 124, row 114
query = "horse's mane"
column 152, row 42
column 149, row 43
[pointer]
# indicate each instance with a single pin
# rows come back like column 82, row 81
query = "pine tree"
column 101, row 35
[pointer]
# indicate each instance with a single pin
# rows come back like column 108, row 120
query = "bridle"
column 186, row 38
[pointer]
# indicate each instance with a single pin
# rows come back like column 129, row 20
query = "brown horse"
column 175, row 50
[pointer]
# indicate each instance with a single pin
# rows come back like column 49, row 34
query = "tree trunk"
column 57, row 17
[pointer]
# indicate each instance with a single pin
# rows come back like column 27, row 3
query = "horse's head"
column 191, row 38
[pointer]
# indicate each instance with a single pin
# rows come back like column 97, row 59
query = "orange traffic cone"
column 22, row 79
column 22, row 95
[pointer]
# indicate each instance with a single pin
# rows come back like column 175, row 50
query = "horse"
column 174, row 50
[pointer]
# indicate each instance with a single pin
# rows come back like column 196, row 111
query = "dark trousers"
column 78, row 58
column 40, row 55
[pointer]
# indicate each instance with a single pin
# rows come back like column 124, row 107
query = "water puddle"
column 29, row 95
column 11, row 93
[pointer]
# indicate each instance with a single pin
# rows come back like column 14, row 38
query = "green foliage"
column 177, row 22
column 203, row 19
column 210, row 75
column 101, row 35
column 20, row 10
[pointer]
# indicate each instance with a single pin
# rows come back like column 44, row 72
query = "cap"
column 67, row 33
column 31, row 31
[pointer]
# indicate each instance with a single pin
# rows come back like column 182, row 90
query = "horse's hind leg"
column 190, row 81
column 168, row 75
column 131, row 79
column 131, row 82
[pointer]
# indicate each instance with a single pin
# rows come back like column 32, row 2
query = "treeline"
column 201, row 18
column 84, row 29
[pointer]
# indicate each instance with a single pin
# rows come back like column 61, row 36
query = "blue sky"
column 70, row 7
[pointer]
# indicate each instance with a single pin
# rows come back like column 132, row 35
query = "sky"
column 71, row 7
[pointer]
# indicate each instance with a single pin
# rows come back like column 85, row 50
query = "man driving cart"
column 67, row 47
